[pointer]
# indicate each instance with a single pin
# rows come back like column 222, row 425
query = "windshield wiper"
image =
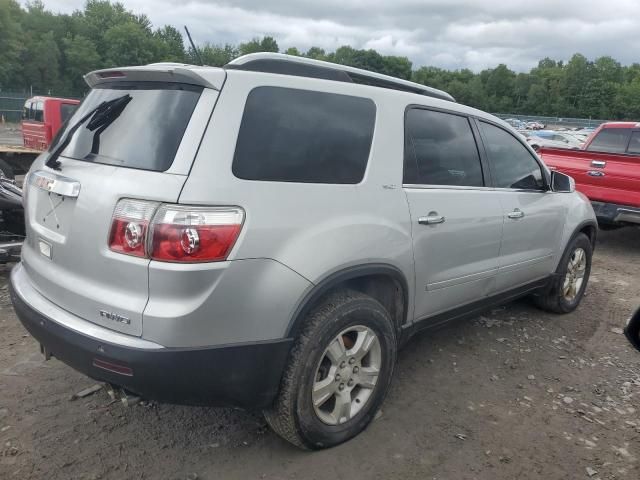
column 101, row 117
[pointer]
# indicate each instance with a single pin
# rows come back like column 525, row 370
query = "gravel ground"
column 515, row 393
column 10, row 134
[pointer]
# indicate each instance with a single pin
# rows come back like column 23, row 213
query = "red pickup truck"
column 606, row 170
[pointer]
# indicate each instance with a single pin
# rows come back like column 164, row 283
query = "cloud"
column 444, row 33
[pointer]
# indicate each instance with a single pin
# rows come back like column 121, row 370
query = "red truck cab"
column 42, row 117
column 607, row 171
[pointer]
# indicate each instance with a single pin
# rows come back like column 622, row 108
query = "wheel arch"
column 386, row 283
column 589, row 228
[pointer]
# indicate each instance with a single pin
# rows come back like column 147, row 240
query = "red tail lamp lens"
column 195, row 234
column 129, row 226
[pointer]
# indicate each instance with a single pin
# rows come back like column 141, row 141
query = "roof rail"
column 307, row 67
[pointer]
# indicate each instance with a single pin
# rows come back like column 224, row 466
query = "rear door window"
column 291, row 135
column 610, row 140
column 144, row 135
column 440, row 149
column 634, row 143
column 512, row 165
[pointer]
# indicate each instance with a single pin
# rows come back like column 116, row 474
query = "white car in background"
column 551, row 139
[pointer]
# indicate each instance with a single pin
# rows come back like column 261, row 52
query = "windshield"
column 144, row 134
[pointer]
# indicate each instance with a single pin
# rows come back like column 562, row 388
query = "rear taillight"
column 194, row 234
column 174, row 233
column 129, row 226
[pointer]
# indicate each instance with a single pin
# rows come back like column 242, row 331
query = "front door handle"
column 598, row 163
column 432, row 219
column 517, row 213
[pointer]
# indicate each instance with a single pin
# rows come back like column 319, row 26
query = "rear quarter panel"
column 313, row 229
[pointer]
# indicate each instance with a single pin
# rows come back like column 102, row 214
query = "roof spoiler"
column 207, row 77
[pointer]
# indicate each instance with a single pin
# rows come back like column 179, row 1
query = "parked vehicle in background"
column 581, row 138
column 276, row 242
column 11, row 221
column 515, row 123
column 559, row 138
column 607, row 171
column 542, row 138
column 42, row 117
column 534, row 126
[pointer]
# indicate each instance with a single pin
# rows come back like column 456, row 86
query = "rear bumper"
column 242, row 375
column 616, row 214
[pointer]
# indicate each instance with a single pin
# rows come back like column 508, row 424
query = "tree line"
column 49, row 52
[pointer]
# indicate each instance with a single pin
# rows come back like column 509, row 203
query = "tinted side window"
column 291, row 135
column 634, row 144
column 512, row 164
column 612, row 140
column 440, row 149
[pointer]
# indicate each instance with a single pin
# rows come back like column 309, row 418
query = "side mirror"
column 562, row 183
column 632, row 331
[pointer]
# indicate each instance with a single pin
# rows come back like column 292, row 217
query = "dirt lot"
column 10, row 134
column 513, row 394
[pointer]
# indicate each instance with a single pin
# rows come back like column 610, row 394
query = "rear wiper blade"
column 101, row 121
column 103, row 114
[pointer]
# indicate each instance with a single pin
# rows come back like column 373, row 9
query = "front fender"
column 580, row 216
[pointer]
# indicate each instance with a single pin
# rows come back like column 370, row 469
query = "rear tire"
column 572, row 276
column 328, row 393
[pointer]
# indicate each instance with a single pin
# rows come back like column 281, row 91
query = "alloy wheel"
column 346, row 375
column 574, row 277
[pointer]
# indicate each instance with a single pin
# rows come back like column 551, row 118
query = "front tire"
column 338, row 373
column 572, row 275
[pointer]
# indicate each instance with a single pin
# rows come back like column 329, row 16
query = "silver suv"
column 267, row 234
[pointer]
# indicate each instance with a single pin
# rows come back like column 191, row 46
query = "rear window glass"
column 291, row 135
column 145, row 134
column 612, row 140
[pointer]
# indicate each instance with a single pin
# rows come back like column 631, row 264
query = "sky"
column 451, row 34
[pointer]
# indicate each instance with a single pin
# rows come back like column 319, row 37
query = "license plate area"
column 53, row 212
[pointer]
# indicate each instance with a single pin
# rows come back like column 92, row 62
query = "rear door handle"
column 598, row 163
column 517, row 213
column 432, row 219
